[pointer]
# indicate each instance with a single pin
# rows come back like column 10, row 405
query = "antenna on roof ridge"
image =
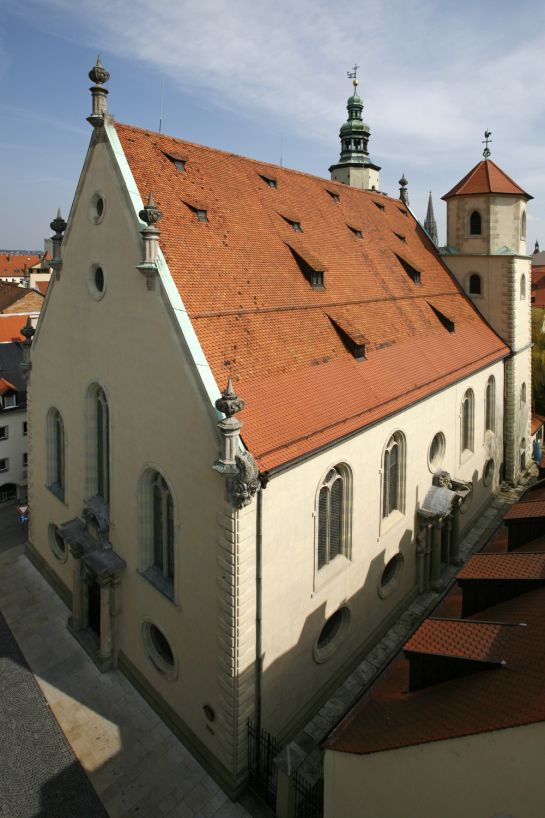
column 162, row 102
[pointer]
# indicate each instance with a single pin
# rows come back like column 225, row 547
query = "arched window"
column 393, row 464
column 98, row 451
column 474, row 284
column 523, row 225
column 522, row 287
column 55, row 453
column 475, row 223
column 523, row 393
column 490, row 405
column 333, row 513
column 523, row 454
column 158, row 532
column 467, row 421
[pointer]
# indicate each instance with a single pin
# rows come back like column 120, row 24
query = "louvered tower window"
column 333, row 535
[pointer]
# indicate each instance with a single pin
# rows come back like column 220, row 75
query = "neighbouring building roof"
column 16, row 264
column 11, row 326
column 486, row 177
column 19, row 299
column 244, row 277
column 11, row 356
column 494, row 661
column 536, row 422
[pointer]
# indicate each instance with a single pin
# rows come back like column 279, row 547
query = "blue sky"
column 267, row 79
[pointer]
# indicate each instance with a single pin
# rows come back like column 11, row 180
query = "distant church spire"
column 430, row 225
column 354, row 166
column 536, row 247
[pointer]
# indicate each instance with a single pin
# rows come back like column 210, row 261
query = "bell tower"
column 354, row 166
column 486, row 251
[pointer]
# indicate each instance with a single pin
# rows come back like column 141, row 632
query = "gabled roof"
column 257, row 316
column 11, row 326
column 486, row 177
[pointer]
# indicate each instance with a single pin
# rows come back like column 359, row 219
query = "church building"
column 263, row 409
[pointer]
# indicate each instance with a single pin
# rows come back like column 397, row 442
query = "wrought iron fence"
column 309, row 798
column 263, row 774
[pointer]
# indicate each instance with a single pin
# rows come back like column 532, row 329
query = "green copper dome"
column 354, row 125
column 354, row 100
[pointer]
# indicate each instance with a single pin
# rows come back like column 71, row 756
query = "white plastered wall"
column 481, row 776
column 13, row 448
column 161, row 417
column 297, row 601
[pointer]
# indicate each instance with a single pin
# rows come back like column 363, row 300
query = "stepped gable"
column 486, row 177
column 250, row 299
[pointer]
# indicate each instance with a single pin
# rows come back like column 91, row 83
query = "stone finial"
column 403, row 192
column 99, row 76
column 234, row 462
column 59, row 226
column 150, row 214
column 28, row 333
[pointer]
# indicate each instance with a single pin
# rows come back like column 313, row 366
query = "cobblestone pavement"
column 138, row 768
column 39, row 774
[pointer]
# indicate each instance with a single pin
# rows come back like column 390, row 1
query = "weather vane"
column 353, row 75
column 485, row 141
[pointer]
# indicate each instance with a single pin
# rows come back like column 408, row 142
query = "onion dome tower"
column 354, row 166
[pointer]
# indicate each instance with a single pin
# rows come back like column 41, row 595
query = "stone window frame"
column 471, row 223
column 163, row 577
column 490, row 405
column 387, row 588
column 55, row 453
column 325, row 649
column 467, row 425
column 340, row 471
column 472, row 279
column 99, row 451
column 4, row 464
column 393, row 506
column 166, row 670
column 434, row 461
column 4, row 432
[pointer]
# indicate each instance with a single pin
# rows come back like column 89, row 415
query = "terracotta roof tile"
column 257, row 316
column 532, row 508
column 461, row 638
column 537, row 422
column 6, row 386
column 16, row 264
column 486, row 177
column 515, row 565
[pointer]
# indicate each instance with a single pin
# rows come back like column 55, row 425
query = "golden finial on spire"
column 353, row 75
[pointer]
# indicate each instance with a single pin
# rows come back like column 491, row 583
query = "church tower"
column 486, row 251
column 430, row 225
column 354, row 166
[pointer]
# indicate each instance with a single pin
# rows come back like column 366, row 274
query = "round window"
column 96, row 209
column 329, row 638
column 58, row 545
column 390, row 575
column 159, row 650
column 96, row 282
column 488, row 472
column 437, row 451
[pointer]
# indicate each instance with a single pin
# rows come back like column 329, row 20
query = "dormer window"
column 356, row 231
column 177, row 161
column 411, row 271
column 294, row 223
column 352, row 337
column 269, row 181
column 404, row 212
column 401, row 238
column 200, row 213
column 475, row 224
column 447, row 322
column 335, row 196
column 379, row 205
column 312, row 269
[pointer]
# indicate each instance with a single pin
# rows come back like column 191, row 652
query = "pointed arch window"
column 475, row 287
column 523, row 393
column 393, row 475
column 333, row 515
column 490, row 405
column 102, row 443
column 56, row 447
column 467, row 421
column 158, row 532
column 475, row 223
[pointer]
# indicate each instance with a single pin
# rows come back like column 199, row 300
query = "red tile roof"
column 16, row 264
column 257, row 316
column 460, row 638
column 515, row 565
column 6, row 386
column 486, row 177
column 537, row 422
column 10, row 327
column 532, row 508
column 42, row 286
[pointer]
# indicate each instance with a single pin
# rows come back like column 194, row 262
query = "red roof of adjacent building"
column 536, row 422
column 10, row 327
column 510, row 695
column 42, row 286
column 242, row 276
column 486, row 177
column 16, row 264
column 6, row 386
column 515, row 565
column 533, row 508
